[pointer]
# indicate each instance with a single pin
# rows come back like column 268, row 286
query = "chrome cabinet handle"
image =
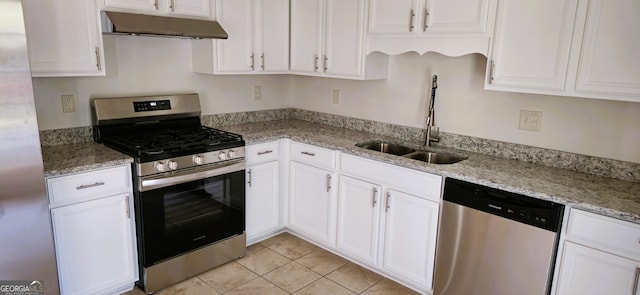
column 492, row 70
column 128, row 208
column 249, row 181
column 373, row 197
column 252, row 62
column 156, row 4
column 635, row 284
column 386, row 208
column 171, row 5
column 411, row 16
column 98, row 65
column 86, row 186
column 265, row 152
column 325, row 62
column 308, row 154
column 262, row 64
column 328, row 182
column 315, row 63
column 426, row 14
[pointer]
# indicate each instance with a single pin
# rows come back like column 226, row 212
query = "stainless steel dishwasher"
column 492, row 242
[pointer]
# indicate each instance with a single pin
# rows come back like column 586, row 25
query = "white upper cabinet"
column 258, row 39
column 609, row 63
column 428, row 16
column 179, row 7
column 530, row 50
column 327, row 40
column 450, row 27
column 582, row 48
column 64, row 38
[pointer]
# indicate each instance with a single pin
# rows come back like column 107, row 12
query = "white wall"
column 149, row 65
column 601, row 128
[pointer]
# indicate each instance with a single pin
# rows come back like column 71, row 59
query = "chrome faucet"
column 432, row 135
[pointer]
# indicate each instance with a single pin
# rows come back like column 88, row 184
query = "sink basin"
column 428, row 156
column 386, row 147
column 436, row 157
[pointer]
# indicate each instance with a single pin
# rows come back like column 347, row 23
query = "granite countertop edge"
column 81, row 157
column 611, row 197
column 606, row 196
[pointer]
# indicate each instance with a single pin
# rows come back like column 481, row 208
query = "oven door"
column 182, row 211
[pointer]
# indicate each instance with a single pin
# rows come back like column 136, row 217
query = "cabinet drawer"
column 411, row 181
column 86, row 186
column 605, row 233
column 313, row 155
column 262, row 153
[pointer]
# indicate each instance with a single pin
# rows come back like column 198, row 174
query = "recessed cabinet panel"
column 306, row 35
column 344, row 22
column 455, row 16
column 585, row 271
column 392, row 16
column 64, row 38
column 190, row 7
column 262, row 204
column 272, row 27
column 609, row 60
column 532, row 44
column 149, row 5
column 236, row 53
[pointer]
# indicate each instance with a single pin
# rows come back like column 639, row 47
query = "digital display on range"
column 146, row 106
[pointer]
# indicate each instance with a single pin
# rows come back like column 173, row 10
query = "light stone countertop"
column 615, row 198
column 80, row 157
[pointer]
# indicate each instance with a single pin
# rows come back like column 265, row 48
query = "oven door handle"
column 155, row 182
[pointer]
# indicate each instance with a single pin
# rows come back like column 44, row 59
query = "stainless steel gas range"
column 189, row 184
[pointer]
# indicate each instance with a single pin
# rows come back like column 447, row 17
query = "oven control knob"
column 160, row 167
column 231, row 153
column 222, row 156
column 198, row 160
column 173, row 165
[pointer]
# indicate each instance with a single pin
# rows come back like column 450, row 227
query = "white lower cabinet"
column 586, row 271
column 409, row 241
column 94, row 232
column 262, row 191
column 388, row 219
column 358, row 218
column 601, row 255
column 311, row 203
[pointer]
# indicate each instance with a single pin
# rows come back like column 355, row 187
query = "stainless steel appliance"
column 493, row 242
column 189, row 184
column 26, row 250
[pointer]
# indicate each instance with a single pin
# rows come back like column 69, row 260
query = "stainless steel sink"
column 386, row 147
column 436, row 157
column 429, row 156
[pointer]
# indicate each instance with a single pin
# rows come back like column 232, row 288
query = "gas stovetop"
column 173, row 142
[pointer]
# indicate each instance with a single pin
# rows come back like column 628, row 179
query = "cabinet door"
column 410, row 237
column 64, row 38
column 455, row 16
column 190, row 7
column 272, row 35
column 609, row 62
column 149, row 5
column 236, row 53
column 358, row 218
column 310, row 204
column 94, row 246
column 344, row 29
column 531, row 44
column 585, row 271
column 262, row 203
column 306, row 35
column 393, row 16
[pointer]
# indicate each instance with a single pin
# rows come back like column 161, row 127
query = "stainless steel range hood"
column 161, row 26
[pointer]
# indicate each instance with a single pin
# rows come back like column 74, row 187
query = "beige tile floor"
column 286, row 264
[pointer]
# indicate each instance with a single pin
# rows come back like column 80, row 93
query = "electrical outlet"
column 530, row 120
column 68, row 103
column 336, row 96
column 257, row 92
